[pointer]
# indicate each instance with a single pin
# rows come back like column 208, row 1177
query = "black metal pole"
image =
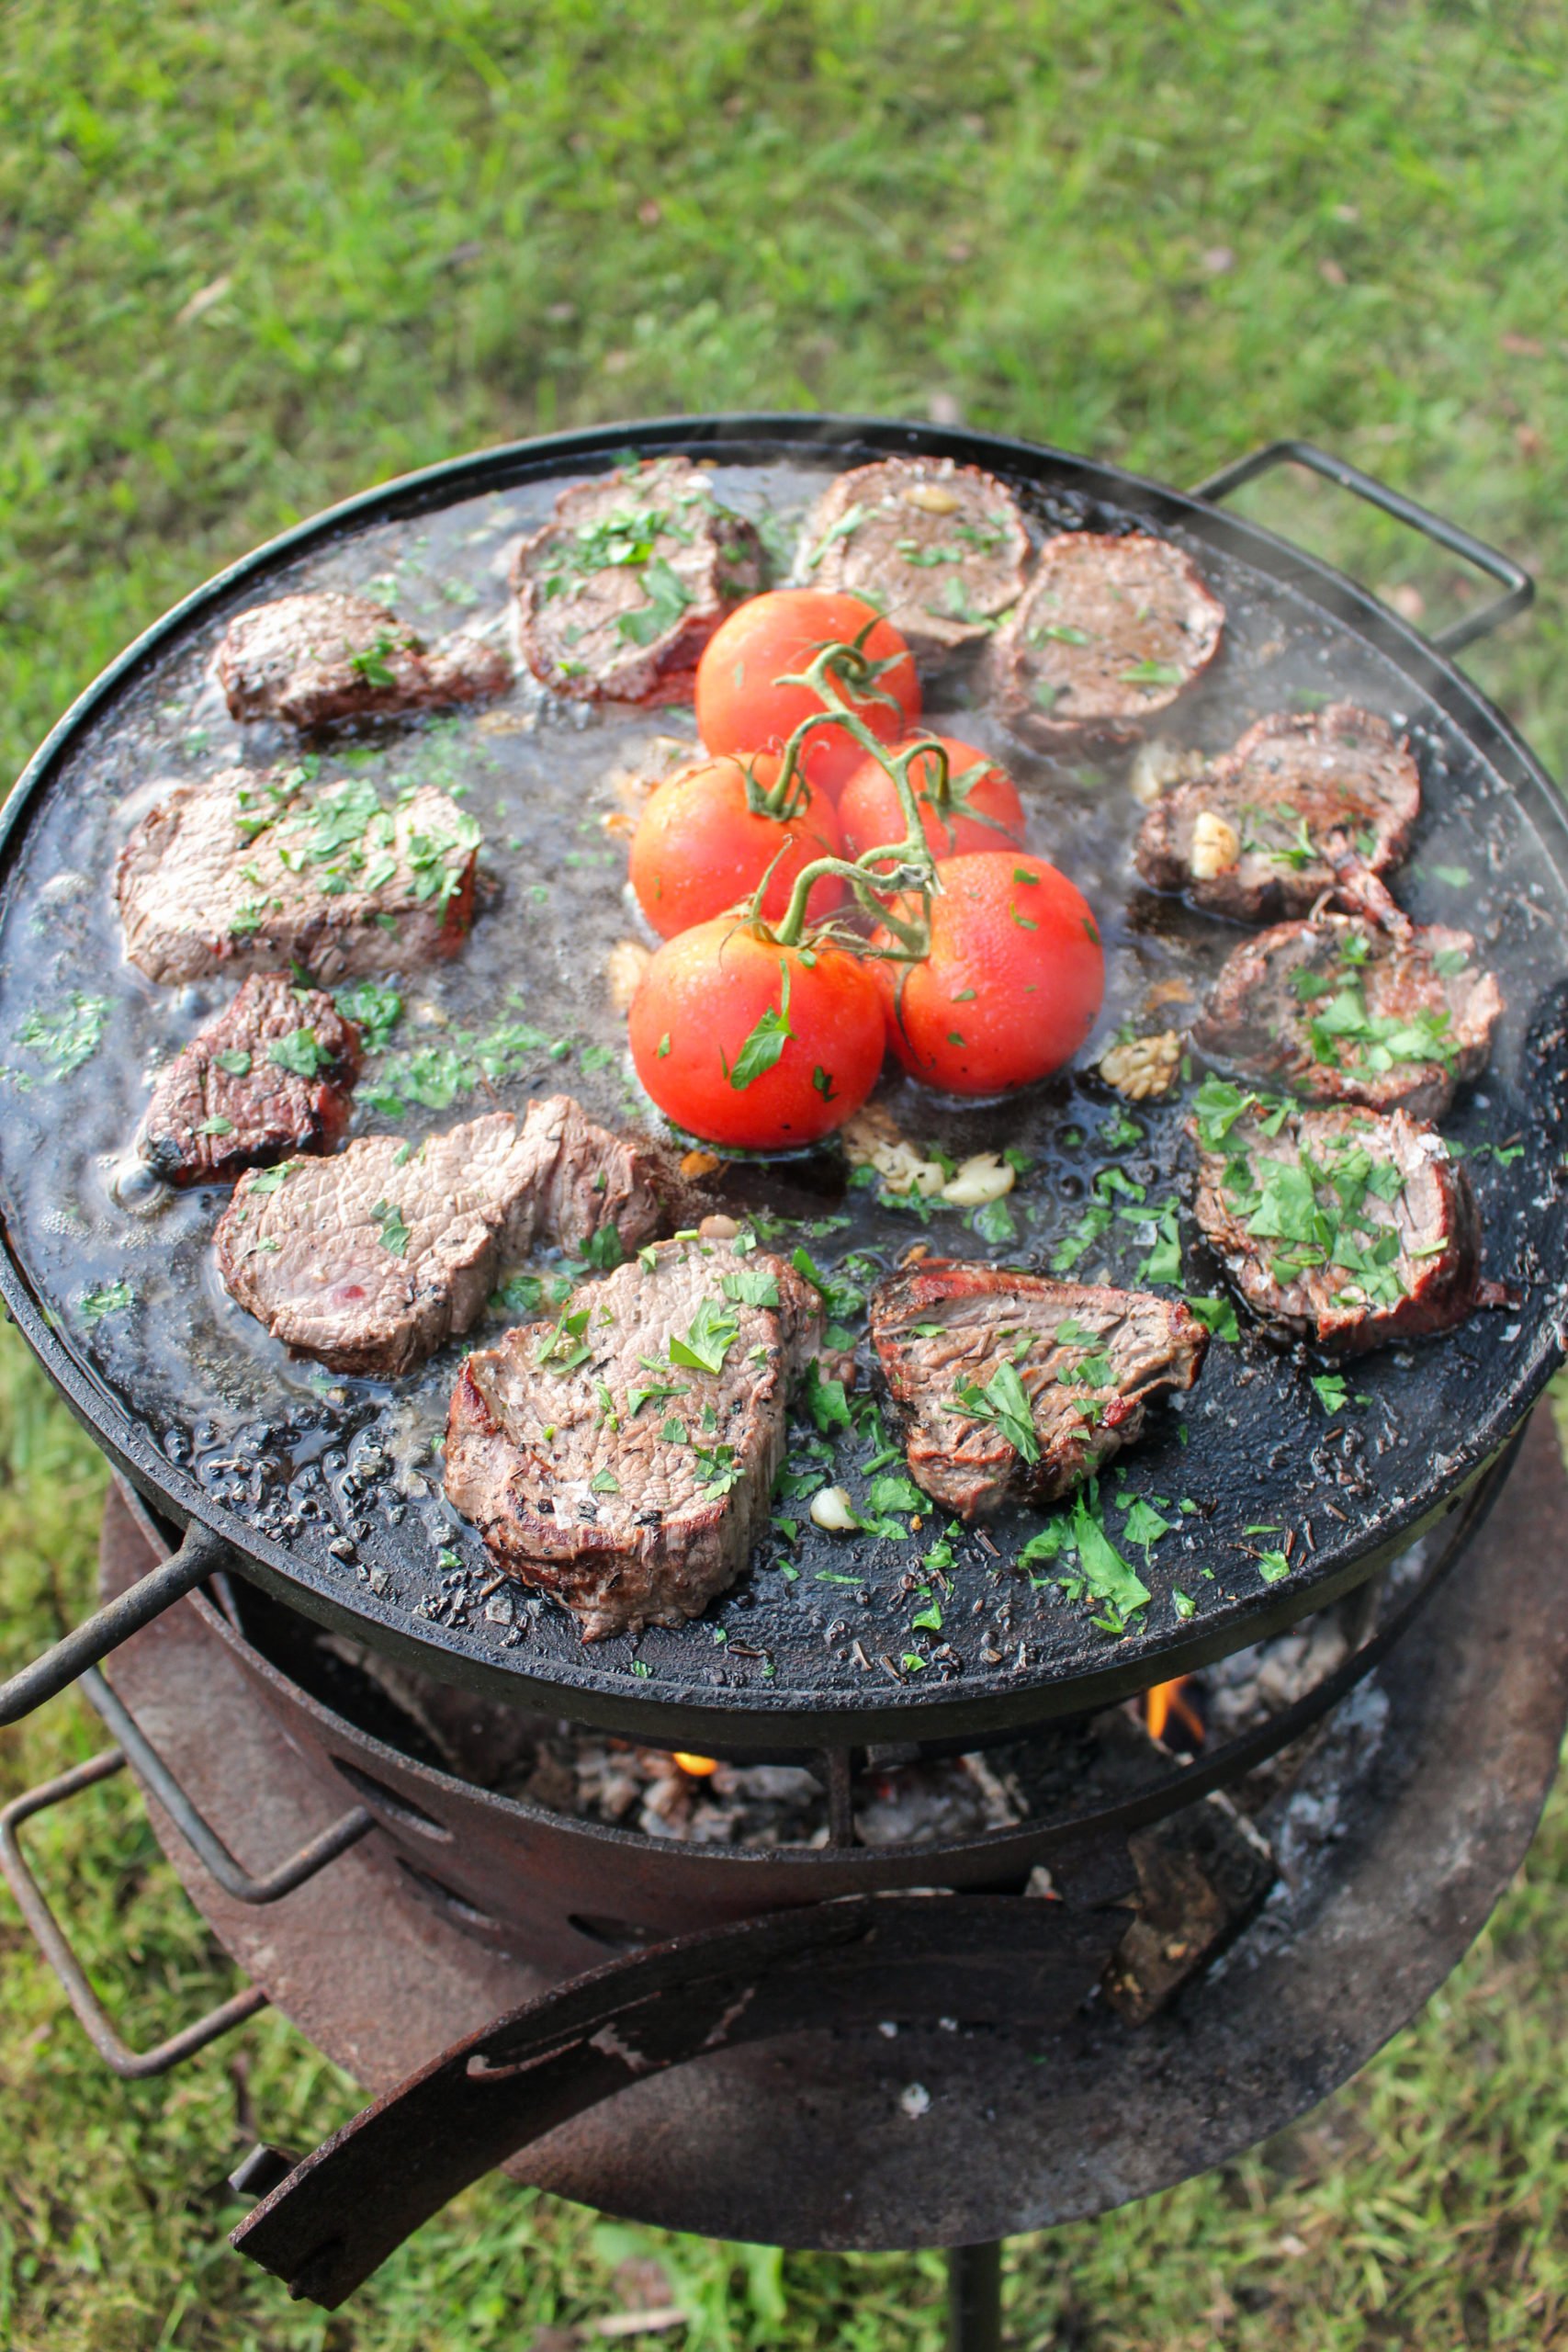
column 975, row 2299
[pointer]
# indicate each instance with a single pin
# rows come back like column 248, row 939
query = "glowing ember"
column 699, row 1767
column 1165, row 1700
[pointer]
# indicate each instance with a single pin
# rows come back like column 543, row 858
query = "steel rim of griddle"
column 747, row 1715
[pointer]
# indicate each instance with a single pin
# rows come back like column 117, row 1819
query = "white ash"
column 760, row 1804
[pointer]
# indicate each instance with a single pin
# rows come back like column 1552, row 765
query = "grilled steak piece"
column 602, row 1463
column 1341, row 1009
column 328, row 655
column 268, row 1077
column 1346, row 1226
column 619, row 593
column 939, row 547
column 249, row 873
column 371, row 1258
column 1109, row 632
column 1273, row 825
column 1011, row 1385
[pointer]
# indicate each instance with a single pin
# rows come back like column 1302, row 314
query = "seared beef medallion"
column 1341, row 1009
column 1014, row 1387
column 247, row 872
column 269, row 1077
column 371, row 1258
column 1304, row 801
column 1109, row 632
column 1345, row 1227
column 328, row 655
column 619, row 593
column 939, row 548
column 621, row 1457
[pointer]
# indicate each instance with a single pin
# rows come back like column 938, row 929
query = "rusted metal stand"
column 974, row 2298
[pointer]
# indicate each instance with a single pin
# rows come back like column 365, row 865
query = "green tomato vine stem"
column 911, row 867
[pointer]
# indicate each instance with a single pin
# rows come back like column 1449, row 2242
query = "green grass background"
column 256, row 257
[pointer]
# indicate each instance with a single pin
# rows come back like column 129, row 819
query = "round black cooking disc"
column 1249, row 1502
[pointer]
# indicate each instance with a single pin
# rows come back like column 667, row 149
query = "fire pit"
column 891, row 1942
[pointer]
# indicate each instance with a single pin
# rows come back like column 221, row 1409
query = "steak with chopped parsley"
column 371, row 1258
column 621, row 590
column 270, row 1077
column 328, row 655
column 1107, row 635
column 621, row 1457
column 1304, row 801
column 1345, row 1227
column 939, row 547
column 1011, row 1386
column 250, row 872
column 1341, row 1009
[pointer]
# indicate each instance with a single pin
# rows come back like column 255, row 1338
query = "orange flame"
column 699, row 1767
column 1166, row 1700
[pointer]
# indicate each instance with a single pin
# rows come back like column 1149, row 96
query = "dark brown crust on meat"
column 1258, row 1025
column 526, row 1443
column 1436, row 1212
column 1342, row 771
column 1136, row 600
column 270, row 1112
column 305, row 660
column 969, row 1464
column 571, row 634
column 972, row 551
column 200, row 891
column 311, row 1258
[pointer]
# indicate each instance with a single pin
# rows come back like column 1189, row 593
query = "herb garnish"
column 709, row 1337
column 394, row 1230
column 68, row 1037
column 765, row 1043
column 1004, row 1401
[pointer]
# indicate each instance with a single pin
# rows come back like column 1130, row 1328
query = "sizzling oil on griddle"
column 348, row 1472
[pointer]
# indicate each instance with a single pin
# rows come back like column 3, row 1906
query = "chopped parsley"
column 373, row 1009
column 236, row 1061
column 709, row 1337
column 108, row 1298
column 1004, row 1402
column 299, row 1052
column 68, row 1037
column 765, row 1043
column 394, row 1230
column 750, row 1286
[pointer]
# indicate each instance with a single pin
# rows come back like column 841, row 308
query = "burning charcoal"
column 1201, row 1875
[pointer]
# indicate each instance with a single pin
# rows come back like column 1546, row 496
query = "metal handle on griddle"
column 198, row 1556
column 200, row 1835
column 135, row 2065
column 1517, row 583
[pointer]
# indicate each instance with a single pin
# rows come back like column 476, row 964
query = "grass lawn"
column 258, row 255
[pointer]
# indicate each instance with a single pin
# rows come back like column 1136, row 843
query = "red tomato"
column 700, row 848
column 739, row 707
column 1013, row 985
column 755, row 1046
column 984, row 812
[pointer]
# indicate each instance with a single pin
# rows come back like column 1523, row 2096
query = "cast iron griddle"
column 330, row 1488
